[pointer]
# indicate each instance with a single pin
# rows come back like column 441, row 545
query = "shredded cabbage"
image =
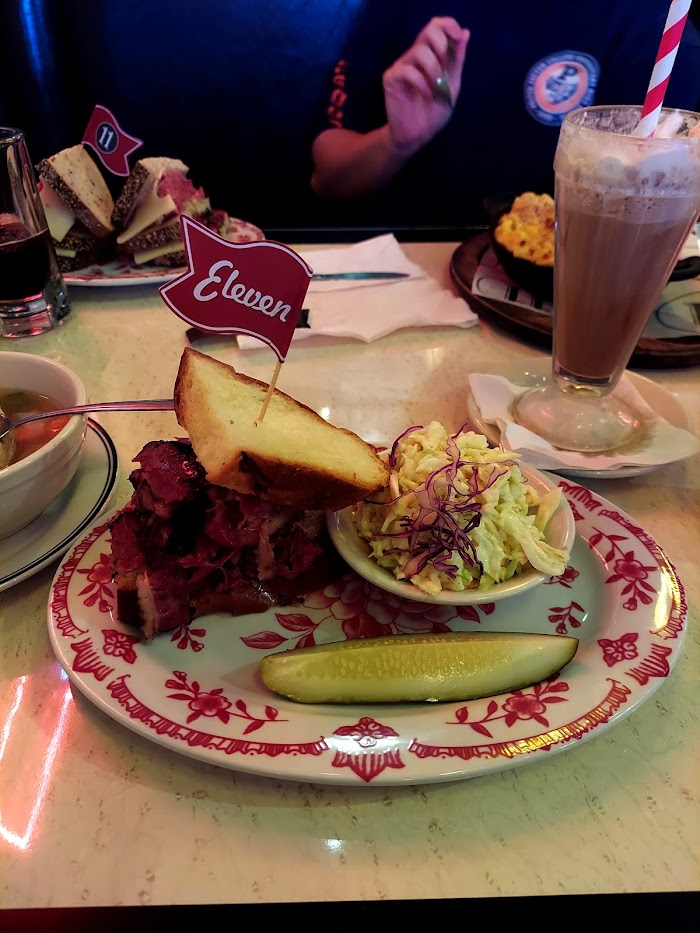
column 457, row 514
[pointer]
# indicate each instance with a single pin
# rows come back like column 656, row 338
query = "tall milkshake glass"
column 624, row 208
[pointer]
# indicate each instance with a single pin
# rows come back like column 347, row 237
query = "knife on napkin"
column 332, row 276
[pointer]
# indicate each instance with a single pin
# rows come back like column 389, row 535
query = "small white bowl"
column 29, row 486
column 560, row 532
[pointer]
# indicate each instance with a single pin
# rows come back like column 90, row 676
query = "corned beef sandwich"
column 78, row 207
column 148, row 209
column 232, row 520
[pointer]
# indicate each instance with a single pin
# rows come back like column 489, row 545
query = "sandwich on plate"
column 232, row 519
column 147, row 213
column 83, row 218
column 78, row 207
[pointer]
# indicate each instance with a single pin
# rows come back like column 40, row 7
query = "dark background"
column 235, row 88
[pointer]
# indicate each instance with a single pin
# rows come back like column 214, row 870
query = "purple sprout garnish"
column 437, row 518
column 392, row 454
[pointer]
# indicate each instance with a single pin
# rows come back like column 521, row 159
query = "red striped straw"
column 665, row 57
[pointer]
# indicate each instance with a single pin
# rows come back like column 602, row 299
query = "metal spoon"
column 442, row 84
column 155, row 404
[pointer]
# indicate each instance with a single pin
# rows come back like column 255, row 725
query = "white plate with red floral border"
column 198, row 691
column 122, row 271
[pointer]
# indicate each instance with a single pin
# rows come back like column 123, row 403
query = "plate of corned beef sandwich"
column 168, row 614
column 138, row 239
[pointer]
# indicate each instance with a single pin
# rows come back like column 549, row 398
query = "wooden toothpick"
column 270, row 390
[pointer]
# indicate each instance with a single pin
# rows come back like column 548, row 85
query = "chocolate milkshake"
column 624, row 207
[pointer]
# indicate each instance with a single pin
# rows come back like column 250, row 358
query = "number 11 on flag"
column 111, row 143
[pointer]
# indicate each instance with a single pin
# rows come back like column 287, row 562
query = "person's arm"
column 348, row 164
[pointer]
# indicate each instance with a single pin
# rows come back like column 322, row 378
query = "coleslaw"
column 457, row 514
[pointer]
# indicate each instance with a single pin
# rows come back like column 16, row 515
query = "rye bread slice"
column 89, row 249
column 79, row 238
column 75, row 178
column 168, row 259
column 145, row 171
column 171, row 259
column 159, row 235
column 79, row 261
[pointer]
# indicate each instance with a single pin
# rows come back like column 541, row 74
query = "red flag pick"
column 111, row 143
column 244, row 288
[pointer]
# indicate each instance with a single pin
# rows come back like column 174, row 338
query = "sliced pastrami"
column 181, row 538
column 187, row 198
column 170, row 476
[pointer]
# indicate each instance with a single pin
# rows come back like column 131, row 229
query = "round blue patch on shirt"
column 558, row 83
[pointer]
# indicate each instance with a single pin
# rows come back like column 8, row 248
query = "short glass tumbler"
column 33, row 297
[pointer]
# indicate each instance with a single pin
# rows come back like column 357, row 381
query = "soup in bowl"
column 42, row 458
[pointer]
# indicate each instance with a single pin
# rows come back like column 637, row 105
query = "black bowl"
column 538, row 280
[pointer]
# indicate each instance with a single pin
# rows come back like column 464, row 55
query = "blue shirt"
column 527, row 64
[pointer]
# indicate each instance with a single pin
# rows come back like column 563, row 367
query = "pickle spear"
column 409, row 668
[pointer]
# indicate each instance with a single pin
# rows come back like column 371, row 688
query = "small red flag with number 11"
column 112, row 144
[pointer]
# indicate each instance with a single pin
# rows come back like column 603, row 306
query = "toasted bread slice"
column 293, row 456
column 77, row 181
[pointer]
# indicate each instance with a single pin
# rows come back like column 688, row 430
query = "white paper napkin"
column 378, row 254
column 494, row 396
column 366, row 309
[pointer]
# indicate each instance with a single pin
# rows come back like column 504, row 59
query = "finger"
column 437, row 39
column 440, row 35
column 448, row 50
column 409, row 76
column 423, row 57
column 413, row 79
column 445, row 24
column 459, row 54
column 455, row 63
